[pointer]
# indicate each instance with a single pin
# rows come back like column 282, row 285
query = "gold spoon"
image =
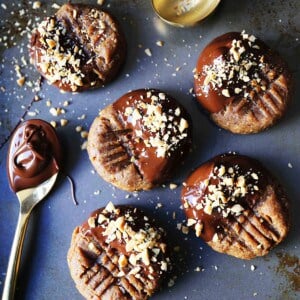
column 33, row 165
column 28, row 199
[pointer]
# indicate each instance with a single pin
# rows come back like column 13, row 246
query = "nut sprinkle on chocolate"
column 236, row 206
column 80, row 47
column 121, row 245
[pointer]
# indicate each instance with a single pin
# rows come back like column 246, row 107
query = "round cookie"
column 117, row 254
column 242, row 83
column 236, row 206
column 78, row 48
column 136, row 142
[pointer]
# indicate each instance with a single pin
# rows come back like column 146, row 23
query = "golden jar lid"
column 183, row 13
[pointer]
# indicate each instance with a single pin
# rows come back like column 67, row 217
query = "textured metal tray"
column 44, row 272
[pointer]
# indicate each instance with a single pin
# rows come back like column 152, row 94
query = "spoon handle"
column 15, row 257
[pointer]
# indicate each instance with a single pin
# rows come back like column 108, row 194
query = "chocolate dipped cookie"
column 236, row 206
column 244, row 85
column 79, row 48
column 136, row 142
column 117, row 254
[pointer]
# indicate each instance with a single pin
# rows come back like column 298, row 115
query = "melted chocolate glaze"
column 211, row 98
column 195, row 189
column 34, row 155
column 153, row 168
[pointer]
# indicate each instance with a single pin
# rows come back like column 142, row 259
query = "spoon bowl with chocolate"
column 33, row 163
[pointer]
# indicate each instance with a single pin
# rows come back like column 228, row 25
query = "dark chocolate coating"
column 136, row 142
column 34, row 154
column 195, row 190
column 153, row 168
column 212, row 100
column 246, row 91
column 112, row 265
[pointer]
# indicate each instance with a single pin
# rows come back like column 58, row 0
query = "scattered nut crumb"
column 82, row 117
column 55, row 6
column 173, row 186
column 63, row 122
column 225, row 92
column 290, row 165
column 84, row 146
column 36, row 4
column 53, row 111
column 184, row 229
column 84, row 134
column 53, row 124
column 158, row 205
column 148, row 52
column 78, row 128
column 21, row 81
column 32, row 113
column 160, row 43
column 252, row 267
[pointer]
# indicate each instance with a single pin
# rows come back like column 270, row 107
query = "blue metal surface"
column 44, row 272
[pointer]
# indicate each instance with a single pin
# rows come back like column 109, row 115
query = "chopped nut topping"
column 110, row 207
column 191, row 222
column 91, row 222
column 61, row 57
column 223, row 191
column 234, row 72
column 198, row 229
column 142, row 246
column 122, row 261
column 164, row 129
column 225, row 93
column 215, row 238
